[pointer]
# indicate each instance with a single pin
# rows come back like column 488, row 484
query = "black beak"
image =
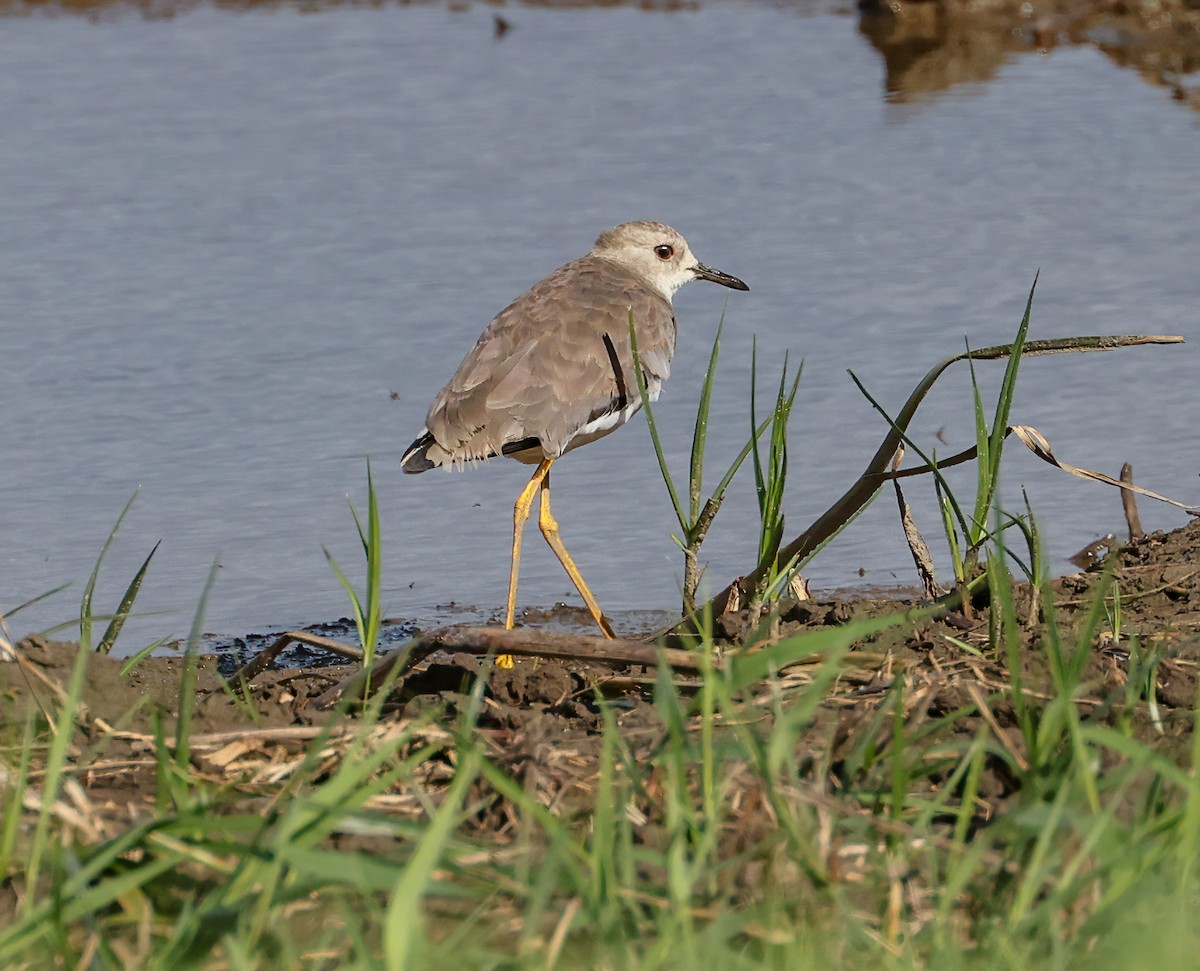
column 716, row 276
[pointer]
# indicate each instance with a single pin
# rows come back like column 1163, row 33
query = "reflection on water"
column 164, row 9
column 927, row 45
column 931, row 45
column 226, row 239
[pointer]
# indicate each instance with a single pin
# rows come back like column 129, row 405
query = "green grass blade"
column 741, row 457
column 989, row 464
column 931, row 462
column 700, row 434
column 748, row 669
column 368, row 608
column 1008, row 386
column 355, row 604
column 374, row 573
column 34, row 927
column 132, row 662
column 15, row 783
column 760, row 476
column 85, row 604
column 31, row 601
column 402, row 929
column 187, row 683
column 54, row 775
column 640, row 375
column 113, row 631
column 985, row 484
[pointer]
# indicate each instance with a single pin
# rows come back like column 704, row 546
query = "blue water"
column 241, row 252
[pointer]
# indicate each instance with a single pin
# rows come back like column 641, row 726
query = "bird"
column 554, row 371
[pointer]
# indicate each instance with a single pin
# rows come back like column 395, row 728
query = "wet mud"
column 542, row 720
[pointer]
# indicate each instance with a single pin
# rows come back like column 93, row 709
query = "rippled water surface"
column 241, row 252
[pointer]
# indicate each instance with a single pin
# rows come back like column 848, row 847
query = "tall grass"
column 697, row 516
column 770, row 481
column 367, row 607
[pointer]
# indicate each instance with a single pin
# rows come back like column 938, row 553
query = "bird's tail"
column 416, row 456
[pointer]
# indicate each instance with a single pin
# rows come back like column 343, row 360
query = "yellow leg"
column 520, row 515
column 549, row 528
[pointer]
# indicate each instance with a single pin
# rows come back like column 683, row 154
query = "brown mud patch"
column 542, row 721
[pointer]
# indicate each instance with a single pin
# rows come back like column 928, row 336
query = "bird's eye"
column 664, row 252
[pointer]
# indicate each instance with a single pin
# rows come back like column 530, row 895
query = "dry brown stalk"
column 1129, row 502
column 523, row 642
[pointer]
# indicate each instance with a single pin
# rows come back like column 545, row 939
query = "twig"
column 523, row 642
column 985, row 712
column 1129, row 502
column 922, row 558
column 212, row 740
column 1136, row 595
column 260, row 662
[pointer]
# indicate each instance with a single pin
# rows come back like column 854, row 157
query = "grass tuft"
column 367, row 608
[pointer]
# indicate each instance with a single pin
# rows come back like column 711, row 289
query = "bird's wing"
column 553, row 361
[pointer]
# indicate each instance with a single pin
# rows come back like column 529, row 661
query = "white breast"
column 612, row 420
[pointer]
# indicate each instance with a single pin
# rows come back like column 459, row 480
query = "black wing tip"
column 512, row 448
column 415, row 459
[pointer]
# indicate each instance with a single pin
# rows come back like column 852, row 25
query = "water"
column 241, row 252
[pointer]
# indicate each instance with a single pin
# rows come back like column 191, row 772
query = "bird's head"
column 660, row 255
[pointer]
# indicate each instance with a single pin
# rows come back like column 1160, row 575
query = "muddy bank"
column 542, row 720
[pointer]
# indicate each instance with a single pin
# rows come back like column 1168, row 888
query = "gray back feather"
column 542, row 368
